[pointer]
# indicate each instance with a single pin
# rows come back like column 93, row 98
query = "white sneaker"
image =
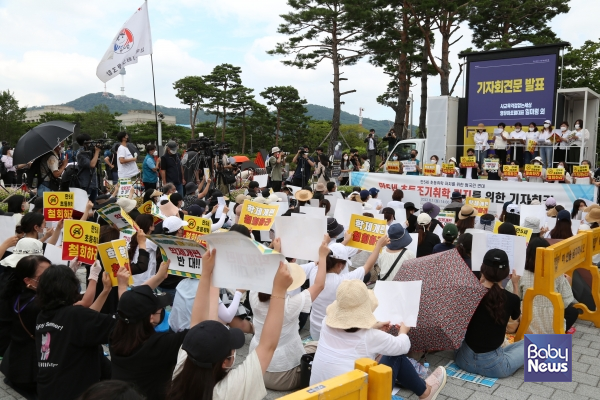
column 437, row 380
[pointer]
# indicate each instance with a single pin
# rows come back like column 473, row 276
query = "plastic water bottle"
column 426, row 371
column 422, row 370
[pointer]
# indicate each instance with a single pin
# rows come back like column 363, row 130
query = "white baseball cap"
column 173, row 224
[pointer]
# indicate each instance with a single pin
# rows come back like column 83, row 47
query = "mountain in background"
column 182, row 115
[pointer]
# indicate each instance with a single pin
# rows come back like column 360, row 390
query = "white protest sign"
column 438, row 231
column 54, row 254
column 8, row 224
column 575, row 224
column 514, row 246
column 314, row 202
column 400, row 214
column 413, row 245
column 127, row 234
column 243, row 263
column 344, row 210
column 537, row 211
column 332, row 202
column 409, row 166
column 81, row 199
column 398, row 302
column 261, row 179
column 298, row 215
column 124, row 187
column 283, row 207
column 221, row 202
column 339, row 195
column 313, row 211
column 185, row 255
column 282, row 196
column 550, row 223
column 301, row 236
column 265, row 236
column 379, row 216
column 293, row 188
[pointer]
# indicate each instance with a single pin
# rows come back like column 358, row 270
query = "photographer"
column 371, row 141
column 86, row 163
column 303, row 168
column 276, row 163
column 171, row 170
column 190, row 163
column 391, row 139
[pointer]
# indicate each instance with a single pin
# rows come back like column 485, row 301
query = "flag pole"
column 155, row 112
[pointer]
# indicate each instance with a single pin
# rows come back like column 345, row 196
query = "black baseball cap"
column 140, row 302
column 210, row 342
column 410, row 206
column 253, row 184
column 496, row 258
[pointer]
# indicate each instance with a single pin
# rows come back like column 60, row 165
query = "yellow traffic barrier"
column 368, row 381
column 551, row 262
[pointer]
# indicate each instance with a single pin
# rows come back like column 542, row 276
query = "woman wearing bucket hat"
column 283, row 373
column 395, row 253
column 426, row 239
column 351, row 331
column 336, row 267
column 466, row 219
column 562, row 229
column 456, row 173
column 25, row 247
column 537, row 179
column 205, row 361
column 433, row 210
column 483, row 351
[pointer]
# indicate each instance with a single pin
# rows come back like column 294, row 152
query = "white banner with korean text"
column 437, row 190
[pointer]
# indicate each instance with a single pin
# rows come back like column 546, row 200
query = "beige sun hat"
column 298, row 276
column 593, row 215
column 303, row 195
column 590, row 208
column 353, row 307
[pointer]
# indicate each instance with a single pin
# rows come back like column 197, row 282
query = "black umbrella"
column 41, row 140
column 248, row 164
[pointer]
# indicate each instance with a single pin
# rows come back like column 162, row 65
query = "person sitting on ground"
column 533, row 223
column 482, row 351
column 358, row 197
column 433, row 211
column 324, row 203
column 152, row 195
column 283, row 373
column 320, row 189
column 205, row 361
column 331, row 187
column 456, row 204
column 389, row 216
column 395, row 253
column 303, row 196
column 543, row 311
column 466, row 219
column 486, row 222
column 374, row 192
column 397, row 197
column 336, row 264
column 464, row 246
column 513, row 214
column 411, row 218
column 351, row 331
column 562, row 229
column 449, row 233
column 427, row 239
column 506, row 228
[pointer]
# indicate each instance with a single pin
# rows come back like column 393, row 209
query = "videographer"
column 391, row 140
column 86, row 163
column 189, row 161
column 371, row 141
column 171, row 170
column 223, row 166
column 303, row 168
column 276, row 163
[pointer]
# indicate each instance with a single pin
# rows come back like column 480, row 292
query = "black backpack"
column 35, row 172
column 70, row 178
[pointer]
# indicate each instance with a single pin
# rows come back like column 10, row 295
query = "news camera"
column 103, row 144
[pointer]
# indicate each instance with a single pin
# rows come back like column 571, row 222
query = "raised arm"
column 384, row 240
column 101, row 299
column 160, row 276
column 200, row 309
column 317, row 287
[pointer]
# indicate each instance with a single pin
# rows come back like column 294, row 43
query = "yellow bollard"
column 380, row 382
column 350, row 386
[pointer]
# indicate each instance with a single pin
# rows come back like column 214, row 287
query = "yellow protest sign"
column 480, row 205
column 58, row 205
column 115, row 215
column 581, row 171
column 533, row 171
column 79, row 240
column 150, row 208
column 114, row 256
column 257, row 216
column 531, row 146
column 448, row 169
column 468, row 162
column 365, row 231
column 524, row 232
column 429, row 169
column 555, row 174
column 196, row 227
column 510, row 170
column 392, row 166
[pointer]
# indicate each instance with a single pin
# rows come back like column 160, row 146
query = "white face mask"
column 517, row 129
column 155, row 153
column 563, row 128
column 345, row 157
column 433, row 161
column 576, row 126
column 10, row 153
column 228, row 368
column 546, row 125
column 531, row 129
column 395, row 158
column 561, row 167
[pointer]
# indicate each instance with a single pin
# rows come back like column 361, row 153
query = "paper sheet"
column 301, row 235
column 514, row 246
column 438, row 231
column 283, row 207
column 400, row 214
column 344, row 210
column 81, row 199
column 413, row 245
column 54, row 254
column 528, row 210
column 575, row 224
column 221, row 202
column 398, row 302
column 313, row 203
column 332, row 202
column 8, row 224
column 261, row 179
column 313, row 211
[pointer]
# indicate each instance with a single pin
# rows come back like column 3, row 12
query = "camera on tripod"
column 103, row 144
column 202, row 146
column 221, row 148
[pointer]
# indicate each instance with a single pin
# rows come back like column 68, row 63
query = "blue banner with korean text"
column 512, row 90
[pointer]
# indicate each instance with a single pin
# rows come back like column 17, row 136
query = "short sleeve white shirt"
column 129, row 169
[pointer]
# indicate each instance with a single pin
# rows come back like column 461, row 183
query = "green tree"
column 286, row 100
column 100, row 121
column 243, row 102
column 321, row 30
column 503, row 24
column 12, row 117
column 194, row 92
column 260, row 125
column 226, row 79
column 75, row 118
column 146, row 133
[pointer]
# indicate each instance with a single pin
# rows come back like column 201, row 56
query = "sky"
column 49, row 50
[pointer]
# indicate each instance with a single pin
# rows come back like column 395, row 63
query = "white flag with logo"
column 133, row 40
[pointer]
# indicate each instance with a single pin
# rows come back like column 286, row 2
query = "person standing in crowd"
column 481, row 143
column 438, row 168
column 150, row 168
column 321, row 171
column 546, row 144
column 304, row 164
column 125, row 160
column 483, row 351
column 391, row 140
column 366, row 164
column 87, row 162
column 538, row 179
column 517, row 151
column 531, row 143
column 587, row 180
column 577, row 139
column 371, row 141
column 355, row 159
column 456, row 173
column 427, row 240
column 112, row 167
column 500, row 143
column 191, row 165
column 171, row 169
column 455, row 204
column 50, row 171
column 11, row 169
column 345, row 168
column 469, row 172
column 562, row 147
column 276, row 162
column 413, row 157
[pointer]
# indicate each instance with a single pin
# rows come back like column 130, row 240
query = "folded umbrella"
column 248, row 164
column 41, row 140
column 450, row 295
